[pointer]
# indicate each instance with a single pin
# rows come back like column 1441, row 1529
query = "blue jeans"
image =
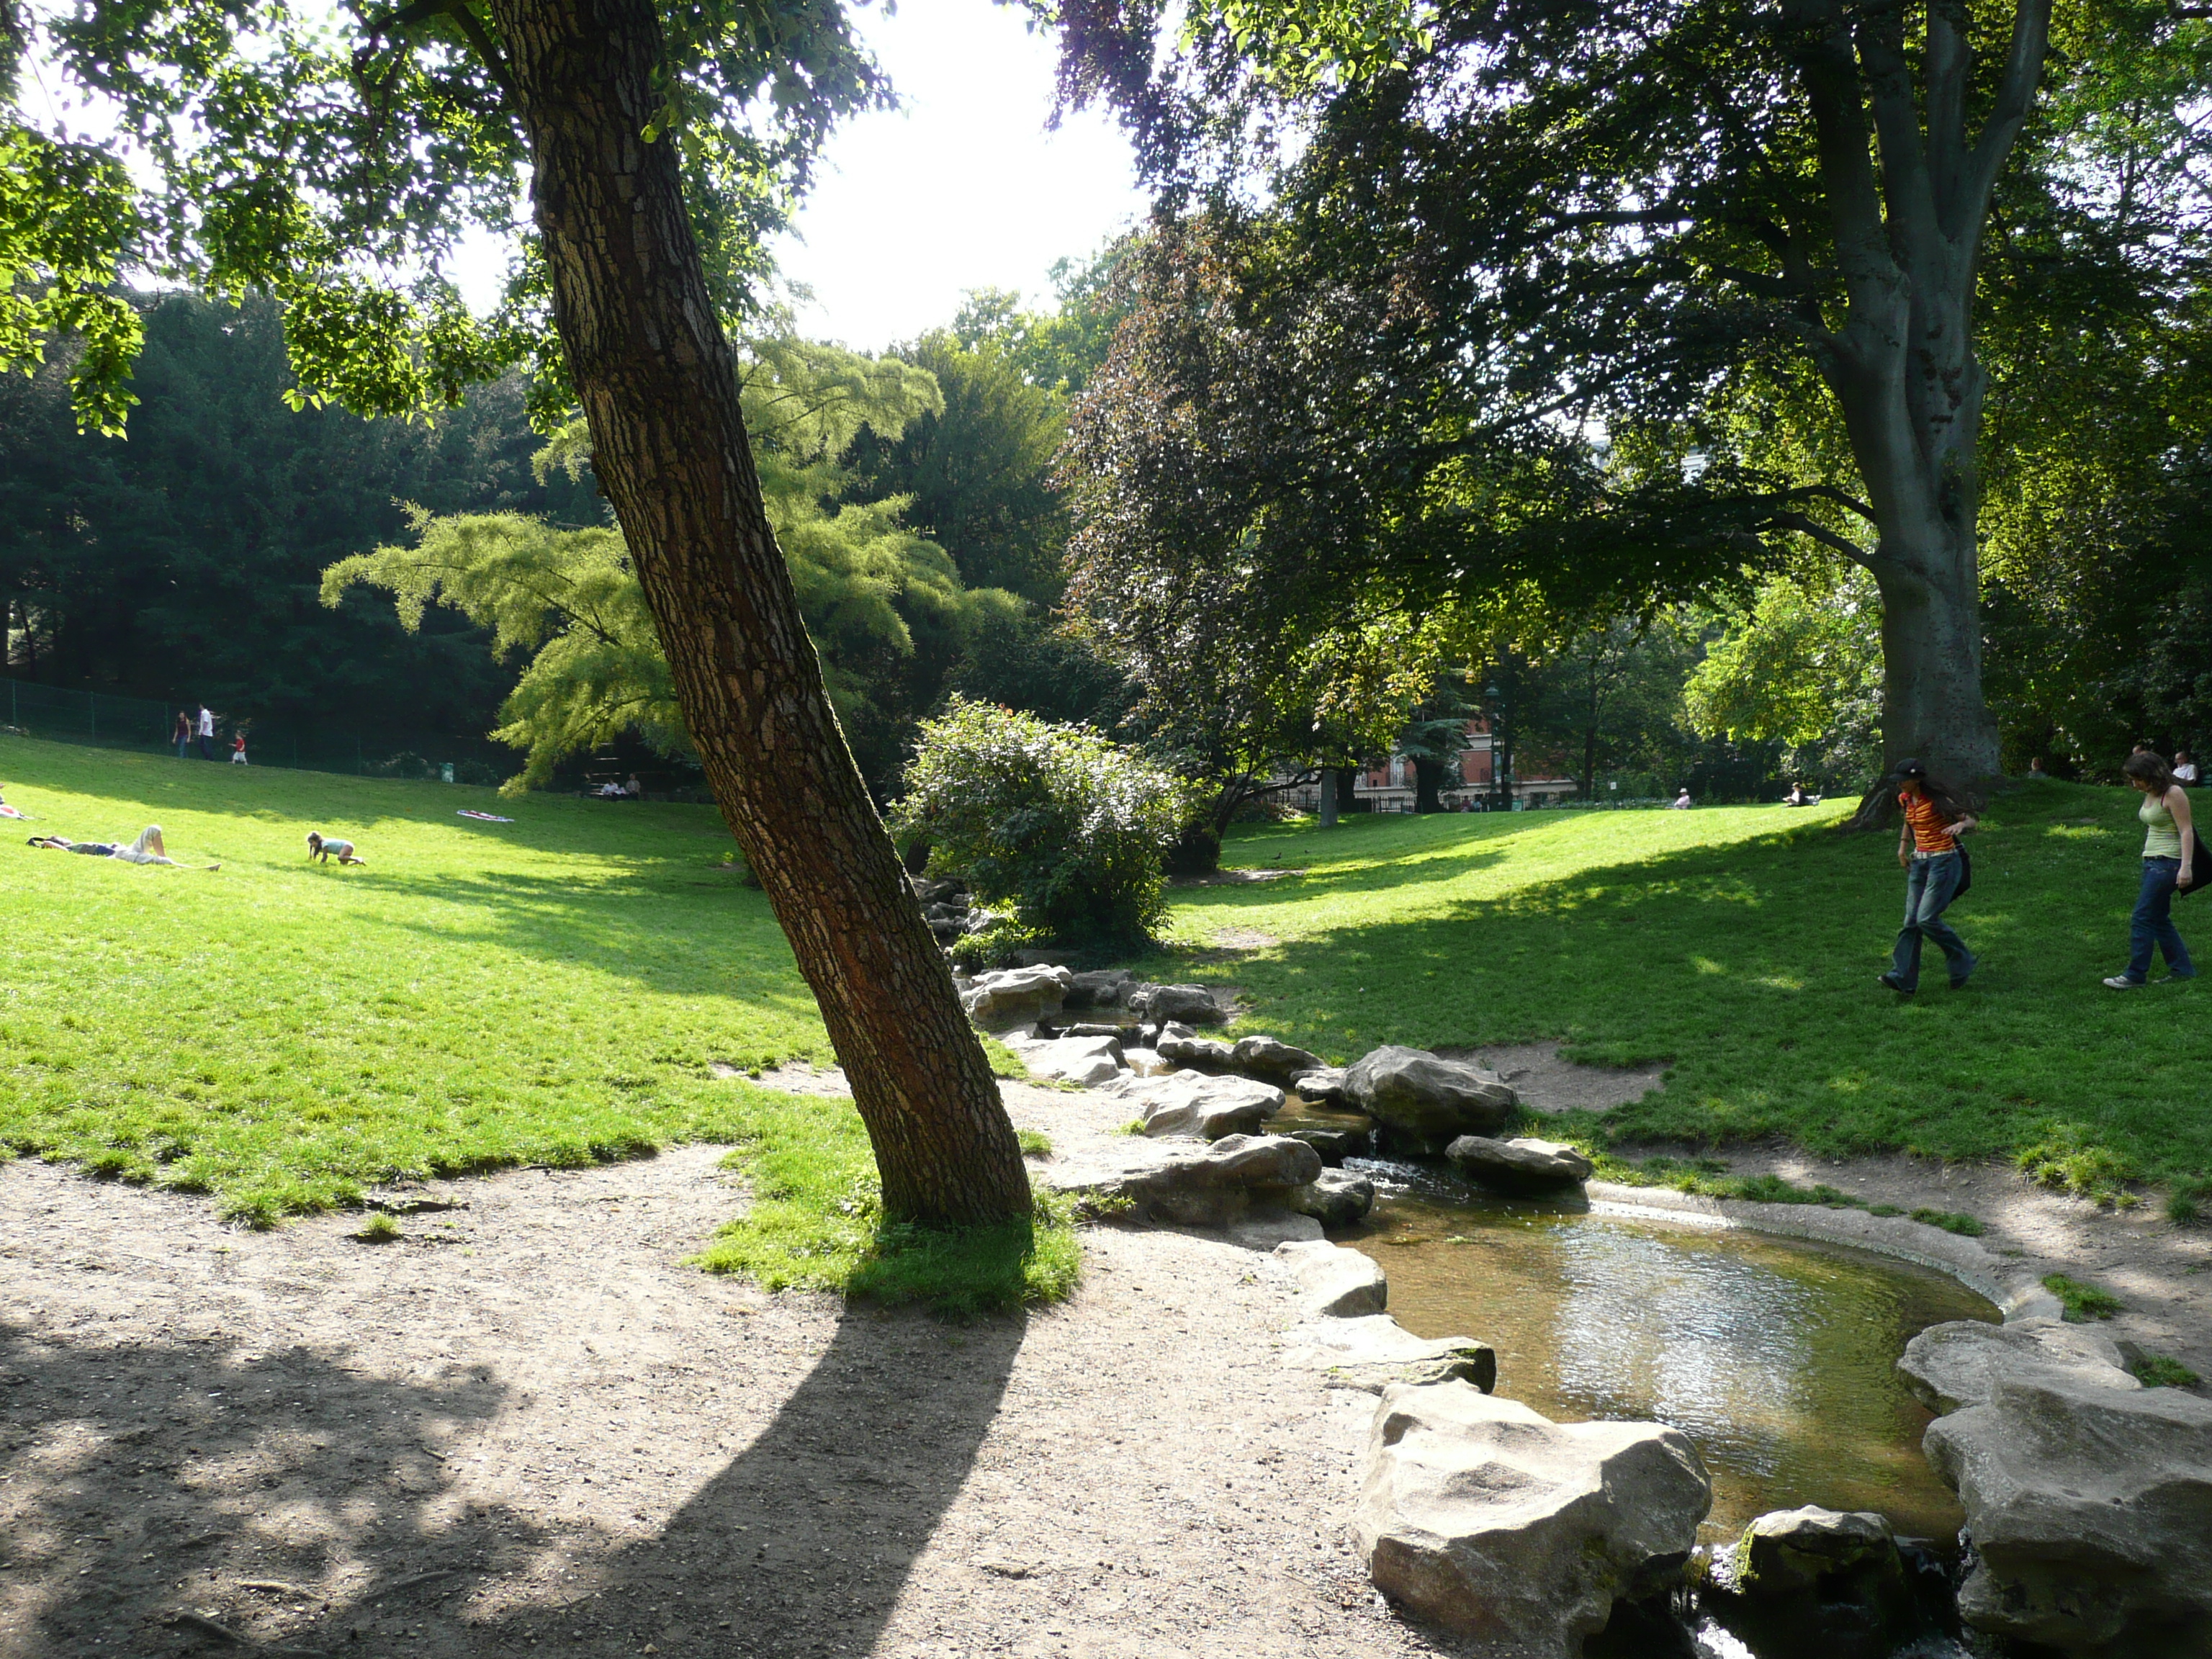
column 2153, row 923
column 1930, row 885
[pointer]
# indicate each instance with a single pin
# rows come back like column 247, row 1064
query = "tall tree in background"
column 303, row 154
column 1600, row 213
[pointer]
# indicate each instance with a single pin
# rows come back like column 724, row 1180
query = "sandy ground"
column 531, row 1428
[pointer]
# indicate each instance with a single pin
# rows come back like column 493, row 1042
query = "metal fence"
column 61, row 715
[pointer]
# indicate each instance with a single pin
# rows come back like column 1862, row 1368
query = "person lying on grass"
column 327, row 847
column 147, row 849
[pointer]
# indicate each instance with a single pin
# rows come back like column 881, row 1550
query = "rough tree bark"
column 1902, row 366
column 658, row 387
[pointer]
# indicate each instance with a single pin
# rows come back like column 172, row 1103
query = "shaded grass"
column 816, row 1223
column 1738, row 947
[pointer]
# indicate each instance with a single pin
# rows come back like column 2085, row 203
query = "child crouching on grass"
column 327, row 847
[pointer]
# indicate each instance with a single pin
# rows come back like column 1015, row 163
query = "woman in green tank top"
column 2168, row 865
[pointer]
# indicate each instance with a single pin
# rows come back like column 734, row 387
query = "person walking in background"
column 2168, row 866
column 207, row 733
column 238, row 749
column 184, row 735
column 1934, row 869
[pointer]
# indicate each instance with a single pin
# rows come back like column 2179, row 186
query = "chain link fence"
column 62, row 715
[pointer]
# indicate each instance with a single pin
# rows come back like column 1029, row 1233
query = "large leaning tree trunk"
column 658, row 386
column 1902, row 366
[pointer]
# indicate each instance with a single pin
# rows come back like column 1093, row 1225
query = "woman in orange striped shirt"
column 1927, row 847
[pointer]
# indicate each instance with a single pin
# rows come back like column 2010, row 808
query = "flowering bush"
column 1058, row 822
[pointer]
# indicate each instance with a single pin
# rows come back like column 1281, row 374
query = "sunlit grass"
column 1738, row 947
column 280, row 1034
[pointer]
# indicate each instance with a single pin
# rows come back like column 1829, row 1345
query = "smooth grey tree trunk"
column 1902, row 366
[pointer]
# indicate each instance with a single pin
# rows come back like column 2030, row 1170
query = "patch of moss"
column 2158, row 1370
column 2082, row 1302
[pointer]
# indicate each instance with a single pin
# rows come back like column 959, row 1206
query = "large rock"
column 1337, row 1197
column 1271, row 1059
column 1188, row 1183
column 1015, row 997
column 1335, row 1145
column 1824, row 1580
column 2089, row 1504
column 1322, row 1086
column 1788, row 1553
column 1372, row 1353
column 1334, row 1283
column 1480, row 1515
column 1199, row 1054
column 1101, row 989
column 1519, row 1166
column 1194, row 1005
column 1088, row 1061
column 1958, row 1365
column 1424, row 1102
column 1203, row 1107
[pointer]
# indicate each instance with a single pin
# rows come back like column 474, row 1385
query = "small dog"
column 320, row 846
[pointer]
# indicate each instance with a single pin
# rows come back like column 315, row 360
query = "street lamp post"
column 1501, row 748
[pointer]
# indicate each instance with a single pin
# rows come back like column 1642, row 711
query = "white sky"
column 961, row 187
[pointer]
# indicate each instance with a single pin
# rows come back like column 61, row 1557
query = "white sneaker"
column 2122, row 983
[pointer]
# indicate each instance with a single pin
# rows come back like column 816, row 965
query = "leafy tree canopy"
column 334, row 162
column 1570, row 259
column 885, row 606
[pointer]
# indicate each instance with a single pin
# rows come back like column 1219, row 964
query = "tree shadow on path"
column 140, row 1479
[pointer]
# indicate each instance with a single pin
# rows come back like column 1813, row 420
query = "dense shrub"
column 1057, row 823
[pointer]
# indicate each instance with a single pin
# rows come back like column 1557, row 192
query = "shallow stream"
column 1778, row 1359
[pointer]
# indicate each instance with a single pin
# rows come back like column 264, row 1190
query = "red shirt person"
column 1935, row 868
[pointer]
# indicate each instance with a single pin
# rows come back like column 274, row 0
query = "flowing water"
column 1778, row 1359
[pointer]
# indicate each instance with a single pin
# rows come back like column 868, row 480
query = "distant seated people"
column 609, row 791
column 1798, row 797
column 633, row 789
column 327, row 847
column 1681, row 802
column 147, row 849
column 2184, row 768
column 2035, row 768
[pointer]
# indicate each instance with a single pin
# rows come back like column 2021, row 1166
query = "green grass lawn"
column 279, row 1033
column 1740, row 946
column 554, row 990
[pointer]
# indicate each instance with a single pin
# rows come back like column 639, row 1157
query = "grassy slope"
column 1740, row 946
column 550, row 990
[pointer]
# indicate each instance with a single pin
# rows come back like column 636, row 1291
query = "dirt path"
column 529, row 1428
column 2161, row 1271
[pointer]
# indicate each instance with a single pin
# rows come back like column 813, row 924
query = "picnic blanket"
column 485, row 817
